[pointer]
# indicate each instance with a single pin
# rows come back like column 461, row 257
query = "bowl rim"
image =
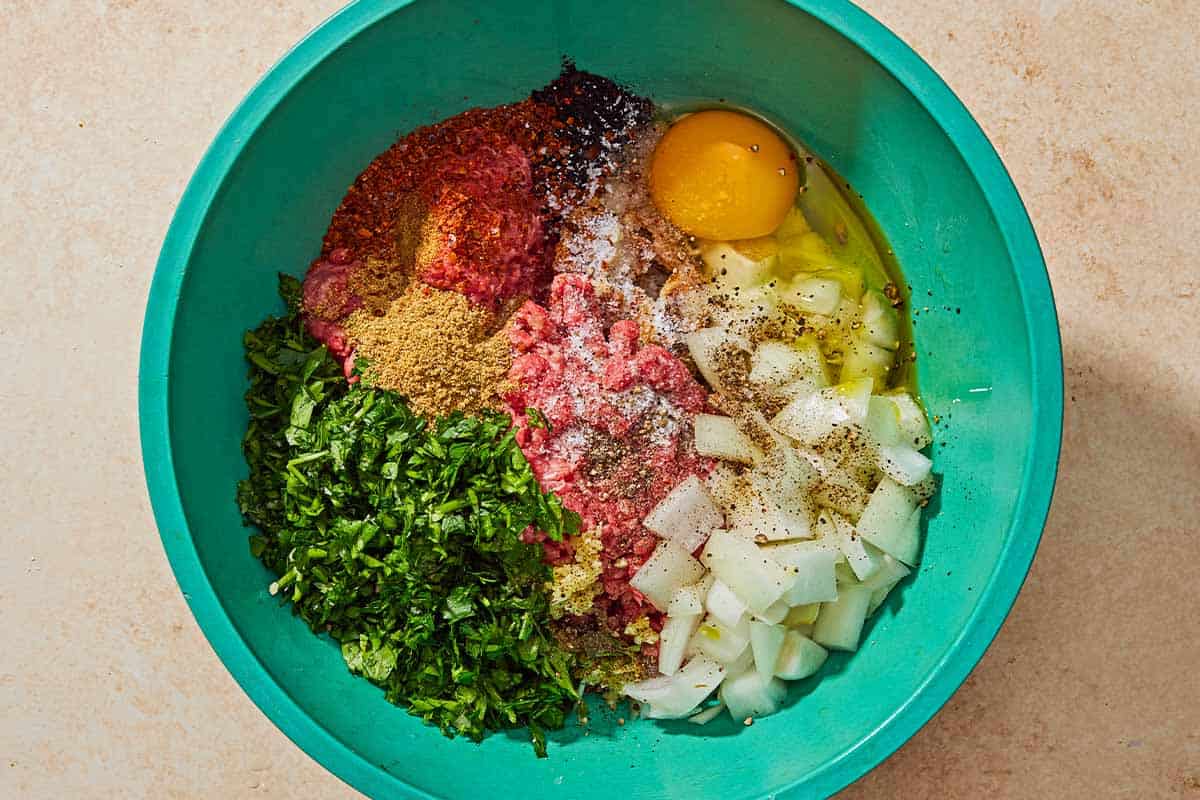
column 996, row 598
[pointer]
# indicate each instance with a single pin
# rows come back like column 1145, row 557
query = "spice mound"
column 435, row 348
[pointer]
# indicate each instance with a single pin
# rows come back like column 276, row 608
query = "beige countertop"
column 108, row 688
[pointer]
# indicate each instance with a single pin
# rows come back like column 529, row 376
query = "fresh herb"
column 403, row 540
column 537, row 419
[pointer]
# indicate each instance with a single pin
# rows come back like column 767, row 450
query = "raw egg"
column 723, row 175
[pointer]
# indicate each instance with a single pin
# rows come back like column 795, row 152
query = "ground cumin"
column 435, row 348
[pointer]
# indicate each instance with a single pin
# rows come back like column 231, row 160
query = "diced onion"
column 802, row 616
column 671, row 697
column 687, row 602
column 799, row 657
column 883, row 581
column 883, row 422
column 888, row 521
column 914, row 427
column 730, row 268
column 775, row 613
column 863, row 559
column 840, row 623
column 721, row 642
column 668, row 569
column 707, row 715
column 775, row 363
column 881, row 323
column 814, row 567
column 725, row 606
column 866, row 360
column 750, row 695
column 815, row 295
column 809, row 418
column 687, row 514
column 903, row 464
column 705, row 346
column 757, row 579
column 766, row 640
column 773, row 520
column 673, row 640
column 720, row 437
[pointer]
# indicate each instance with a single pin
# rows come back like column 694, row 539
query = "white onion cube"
column 887, row 521
column 687, row 514
column 839, row 624
column 668, row 569
column 799, row 657
column 750, row 695
column 753, row 576
column 673, row 640
column 719, row 437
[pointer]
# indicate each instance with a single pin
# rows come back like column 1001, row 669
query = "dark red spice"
column 595, row 115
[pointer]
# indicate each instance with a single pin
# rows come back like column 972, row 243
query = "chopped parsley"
column 402, row 539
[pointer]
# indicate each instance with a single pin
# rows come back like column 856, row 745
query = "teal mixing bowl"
column 989, row 368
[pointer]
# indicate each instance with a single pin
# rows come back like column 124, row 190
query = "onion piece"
column 839, row 490
column 705, row 345
column 814, row 295
column 770, row 519
column 725, row 606
column 810, row 418
column 673, row 641
column 720, row 437
column 799, row 657
column 839, row 624
column 687, row 602
column 668, row 569
column 678, row 695
column 750, row 695
column 730, row 268
column 726, row 486
column 766, row 640
column 775, row 363
column 707, row 715
column 903, row 464
column 687, row 514
column 815, row 580
column 914, row 426
column 775, row 613
column 801, row 616
column 720, row 642
column 863, row 559
column 757, row 579
column 866, row 360
column 888, row 523
column 883, row 422
column 881, row 323
column 883, row 581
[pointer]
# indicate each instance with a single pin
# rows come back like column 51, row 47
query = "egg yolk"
column 723, row 175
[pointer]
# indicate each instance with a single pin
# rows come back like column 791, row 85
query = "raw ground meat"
column 619, row 433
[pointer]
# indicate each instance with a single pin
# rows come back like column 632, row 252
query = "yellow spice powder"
column 641, row 632
column 576, row 585
column 435, row 348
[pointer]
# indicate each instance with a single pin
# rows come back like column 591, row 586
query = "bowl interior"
column 260, row 205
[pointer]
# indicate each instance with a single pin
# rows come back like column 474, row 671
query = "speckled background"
column 108, row 689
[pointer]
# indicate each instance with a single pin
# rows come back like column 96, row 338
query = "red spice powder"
column 467, row 184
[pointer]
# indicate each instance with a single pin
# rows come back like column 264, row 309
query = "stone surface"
column 107, row 687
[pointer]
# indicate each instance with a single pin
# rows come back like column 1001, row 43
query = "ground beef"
column 618, row 432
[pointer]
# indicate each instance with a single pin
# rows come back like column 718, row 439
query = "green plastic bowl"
column 989, row 368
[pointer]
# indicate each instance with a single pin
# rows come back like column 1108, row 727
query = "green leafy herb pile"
column 402, row 539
